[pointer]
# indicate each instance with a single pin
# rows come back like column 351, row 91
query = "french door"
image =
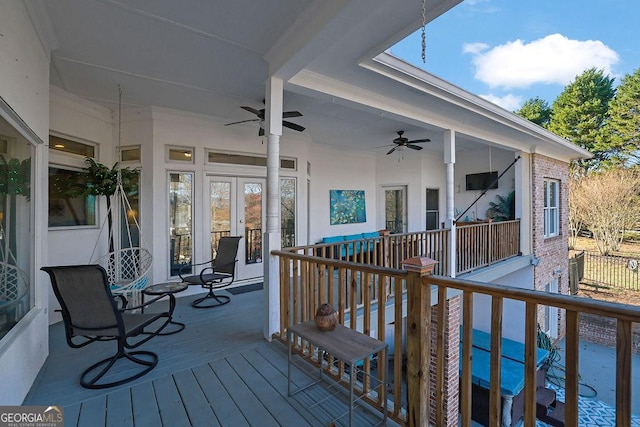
column 237, row 208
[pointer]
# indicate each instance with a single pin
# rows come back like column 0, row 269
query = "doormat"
column 245, row 289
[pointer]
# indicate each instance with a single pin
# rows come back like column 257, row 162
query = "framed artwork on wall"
column 347, row 206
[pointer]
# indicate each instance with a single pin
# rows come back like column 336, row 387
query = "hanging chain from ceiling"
column 424, row 36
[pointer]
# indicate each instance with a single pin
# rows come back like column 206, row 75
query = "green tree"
column 536, row 110
column 579, row 114
column 624, row 121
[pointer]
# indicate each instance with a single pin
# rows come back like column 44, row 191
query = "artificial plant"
column 504, row 209
column 100, row 180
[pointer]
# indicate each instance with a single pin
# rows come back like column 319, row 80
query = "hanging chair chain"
column 424, row 36
column 119, row 132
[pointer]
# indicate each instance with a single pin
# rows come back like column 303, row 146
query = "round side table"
column 167, row 288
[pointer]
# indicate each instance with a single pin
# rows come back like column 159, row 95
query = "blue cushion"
column 353, row 236
column 333, row 239
column 371, row 243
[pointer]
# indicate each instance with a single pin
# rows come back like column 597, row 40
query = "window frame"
column 551, row 212
column 72, row 162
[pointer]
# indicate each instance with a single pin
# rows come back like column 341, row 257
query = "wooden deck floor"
column 218, row 371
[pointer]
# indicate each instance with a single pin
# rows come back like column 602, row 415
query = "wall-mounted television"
column 482, row 181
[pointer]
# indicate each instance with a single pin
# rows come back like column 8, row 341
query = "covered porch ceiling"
column 213, row 57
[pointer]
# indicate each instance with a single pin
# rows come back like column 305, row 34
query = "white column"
column 450, row 160
column 272, row 238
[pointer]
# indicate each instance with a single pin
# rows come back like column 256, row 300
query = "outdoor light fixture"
column 535, row 261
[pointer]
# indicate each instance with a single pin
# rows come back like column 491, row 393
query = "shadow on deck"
column 218, row 371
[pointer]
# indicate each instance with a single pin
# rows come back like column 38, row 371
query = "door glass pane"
column 433, row 213
column 130, row 235
column 288, row 211
column 253, row 222
column 394, row 210
column 180, row 220
column 220, row 196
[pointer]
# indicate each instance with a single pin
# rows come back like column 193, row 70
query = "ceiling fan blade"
column 252, row 110
column 414, row 147
column 292, row 126
column 288, row 114
column 391, row 151
column 242, row 121
column 419, row 140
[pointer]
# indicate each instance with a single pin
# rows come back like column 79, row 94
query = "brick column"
column 423, row 346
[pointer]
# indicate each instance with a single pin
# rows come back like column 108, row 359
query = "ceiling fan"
column 401, row 142
column 260, row 119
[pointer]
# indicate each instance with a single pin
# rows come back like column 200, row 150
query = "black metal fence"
column 604, row 270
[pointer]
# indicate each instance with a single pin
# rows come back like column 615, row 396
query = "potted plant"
column 504, row 209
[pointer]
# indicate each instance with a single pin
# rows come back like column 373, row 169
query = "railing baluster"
column 530, row 363
column 495, row 396
column 624, row 348
column 440, row 345
column 573, row 358
column 467, row 345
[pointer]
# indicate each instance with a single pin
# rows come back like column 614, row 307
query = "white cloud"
column 508, row 102
column 552, row 59
column 474, row 48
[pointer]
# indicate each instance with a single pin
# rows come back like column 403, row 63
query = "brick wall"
column 452, row 361
column 602, row 330
column 553, row 252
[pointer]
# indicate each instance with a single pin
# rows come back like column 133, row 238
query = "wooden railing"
column 387, row 250
column 482, row 244
column 372, row 300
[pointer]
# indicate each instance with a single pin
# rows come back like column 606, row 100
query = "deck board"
column 226, row 411
column 195, row 402
column 145, row 407
column 218, row 371
column 119, row 409
column 172, row 410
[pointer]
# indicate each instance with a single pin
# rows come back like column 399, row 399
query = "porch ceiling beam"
column 311, row 34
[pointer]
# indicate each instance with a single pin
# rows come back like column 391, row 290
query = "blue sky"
column 508, row 51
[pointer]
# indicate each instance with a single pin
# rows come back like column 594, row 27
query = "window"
column 17, row 173
column 66, row 208
column 179, row 154
column 248, row 160
column 71, row 147
column 551, row 209
column 433, row 212
column 130, row 154
column 288, row 211
column 180, row 220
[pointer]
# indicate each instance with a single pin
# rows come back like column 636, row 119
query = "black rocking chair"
column 90, row 313
column 219, row 273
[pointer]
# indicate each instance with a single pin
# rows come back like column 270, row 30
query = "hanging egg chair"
column 128, row 267
column 128, row 261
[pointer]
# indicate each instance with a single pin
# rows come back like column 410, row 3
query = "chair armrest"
column 123, row 301
column 190, row 266
column 213, row 269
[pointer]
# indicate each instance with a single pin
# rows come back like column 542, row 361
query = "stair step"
column 545, row 398
column 555, row 416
